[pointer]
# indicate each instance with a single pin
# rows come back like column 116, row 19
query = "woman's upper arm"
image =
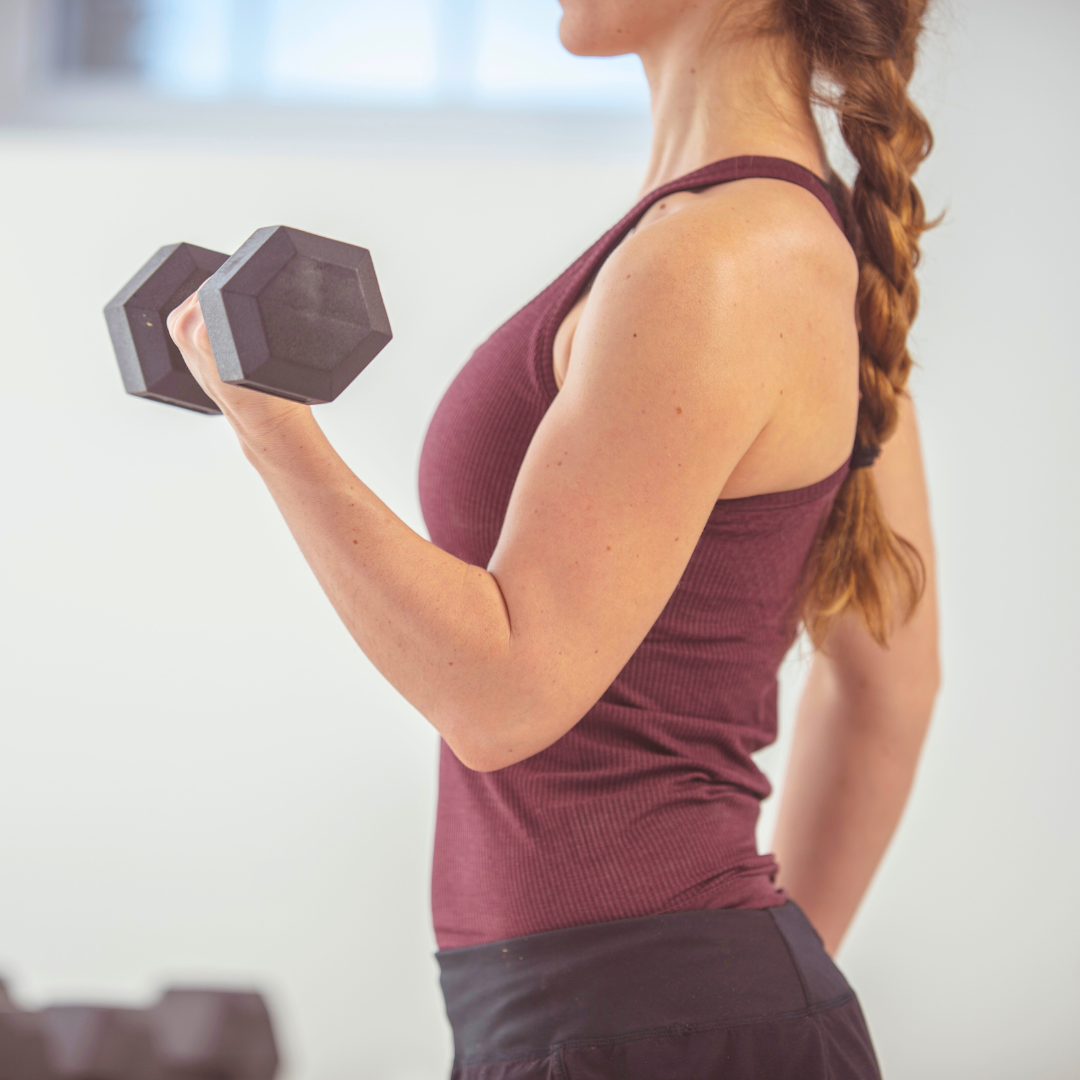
column 666, row 390
column 907, row 672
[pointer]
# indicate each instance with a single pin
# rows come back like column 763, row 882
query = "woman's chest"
column 478, row 437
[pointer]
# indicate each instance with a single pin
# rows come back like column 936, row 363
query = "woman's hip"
column 724, row 993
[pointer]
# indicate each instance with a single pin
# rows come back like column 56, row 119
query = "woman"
column 635, row 489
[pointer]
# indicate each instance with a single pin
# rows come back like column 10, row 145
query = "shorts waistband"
column 685, row 970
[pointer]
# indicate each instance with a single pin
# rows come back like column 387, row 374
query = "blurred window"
column 474, row 53
column 96, row 36
column 520, row 61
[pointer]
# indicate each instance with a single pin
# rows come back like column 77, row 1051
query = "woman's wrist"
column 261, row 421
column 270, row 429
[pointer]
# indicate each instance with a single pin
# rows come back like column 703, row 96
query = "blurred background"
column 201, row 778
column 488, row 53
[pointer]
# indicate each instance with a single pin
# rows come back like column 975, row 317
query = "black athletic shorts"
column 693, row 995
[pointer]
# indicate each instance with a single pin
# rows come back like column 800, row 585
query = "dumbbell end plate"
column 295, row 315
column 150, row 363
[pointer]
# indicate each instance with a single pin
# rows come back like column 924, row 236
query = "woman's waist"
column 509, row 870
column 635, row 804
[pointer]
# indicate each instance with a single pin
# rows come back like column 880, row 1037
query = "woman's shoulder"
column 771, row 229
column 746, row 292
column 747, row 264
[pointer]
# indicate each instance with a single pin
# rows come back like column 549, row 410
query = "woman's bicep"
column 617, row 485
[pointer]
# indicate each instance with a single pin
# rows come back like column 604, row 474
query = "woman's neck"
column 720, row 95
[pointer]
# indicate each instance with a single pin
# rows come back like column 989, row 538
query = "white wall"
column 202, row 779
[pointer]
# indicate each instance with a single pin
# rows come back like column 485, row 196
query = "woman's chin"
column 570, row 42
column 582, row 45
column 579, row 38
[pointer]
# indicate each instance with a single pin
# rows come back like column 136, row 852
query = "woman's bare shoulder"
column 746, row 222
column 755, row 286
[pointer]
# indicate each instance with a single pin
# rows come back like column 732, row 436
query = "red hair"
column 858, row 57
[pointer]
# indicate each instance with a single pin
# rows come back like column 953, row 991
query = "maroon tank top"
column 649, row 804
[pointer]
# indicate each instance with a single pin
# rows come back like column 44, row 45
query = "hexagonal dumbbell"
column 23, row 1054
column 88, row 1042
column 189, row 1034
column 291, row 314
column 213, row 1035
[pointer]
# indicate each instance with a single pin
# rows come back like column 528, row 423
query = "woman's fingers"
column 188, row 330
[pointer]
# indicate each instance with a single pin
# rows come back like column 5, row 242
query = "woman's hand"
column 249, row 411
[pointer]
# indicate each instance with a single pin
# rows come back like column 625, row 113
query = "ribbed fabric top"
column 649, row 804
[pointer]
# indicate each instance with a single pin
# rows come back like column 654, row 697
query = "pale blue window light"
column 374, row 49
column 521, row 63
column 472, row 53
column 188, row 46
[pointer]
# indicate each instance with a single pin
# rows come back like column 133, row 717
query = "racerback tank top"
column 649, row 804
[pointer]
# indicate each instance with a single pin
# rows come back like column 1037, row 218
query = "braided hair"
column 858, row 57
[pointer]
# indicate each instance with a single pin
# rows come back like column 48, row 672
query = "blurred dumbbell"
column 22, row 1046
column 189, row 1034
column 23, row 1054
column 291, row 314
column 213, row 1035
column 87, row 1042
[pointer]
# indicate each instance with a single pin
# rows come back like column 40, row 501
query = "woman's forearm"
column 436, row 627
column 852, row 764
column 861, row 724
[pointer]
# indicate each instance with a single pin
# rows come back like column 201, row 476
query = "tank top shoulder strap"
column 743, row 168
column 560, row 297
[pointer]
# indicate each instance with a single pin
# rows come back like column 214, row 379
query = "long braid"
column 866, row 48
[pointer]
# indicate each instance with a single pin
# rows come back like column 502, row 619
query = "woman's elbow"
column 487, row 740
column 471, row 736
column 485, row 757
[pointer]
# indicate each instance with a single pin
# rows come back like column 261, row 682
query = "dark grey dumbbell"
column 87, row 1042
column 291, row 314
column 150, row 364
column 22, row 1046
column 190, row 1034
column 23, row 1054
column 213, row 1035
